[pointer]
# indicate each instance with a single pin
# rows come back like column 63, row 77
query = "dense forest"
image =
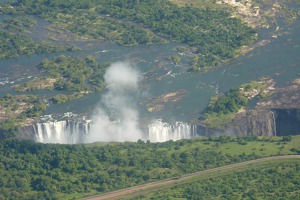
column 16, row 110
column 32, row 170
column 214, row 35
column 75, row 74
column 276, row 181
column 14, row 40
column 12, row 45
column 231, row 102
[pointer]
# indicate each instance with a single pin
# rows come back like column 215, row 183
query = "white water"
column 68, row 132
column 62, row 132
column 160, row 131
column 274, row 123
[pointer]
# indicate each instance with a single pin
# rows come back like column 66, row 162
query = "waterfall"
column 62, row 132
column 274, row 123
column 160, row 131
column 70, row 132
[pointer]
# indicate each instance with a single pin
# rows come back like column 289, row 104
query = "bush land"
column 51, row 171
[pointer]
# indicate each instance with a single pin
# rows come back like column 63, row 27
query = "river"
column 279, row 59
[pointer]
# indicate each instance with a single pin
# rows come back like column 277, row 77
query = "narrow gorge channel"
column 275, row 122
column 287, row 121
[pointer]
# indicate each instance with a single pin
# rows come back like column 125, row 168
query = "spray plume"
column 116, row 118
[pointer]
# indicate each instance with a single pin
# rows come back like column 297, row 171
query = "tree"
column 8, row 129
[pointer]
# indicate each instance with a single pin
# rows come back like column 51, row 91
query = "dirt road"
column 118, row 193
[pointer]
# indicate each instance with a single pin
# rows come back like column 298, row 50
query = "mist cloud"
column 117, row 118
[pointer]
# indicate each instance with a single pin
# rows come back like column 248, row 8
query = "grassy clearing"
column 259, row 148
column 218, row 121
column 262, row 147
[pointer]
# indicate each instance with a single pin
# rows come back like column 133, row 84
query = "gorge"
column 287, row 121
column 71, row 132
column 277, row 122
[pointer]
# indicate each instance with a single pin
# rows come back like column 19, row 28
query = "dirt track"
column 118, row 193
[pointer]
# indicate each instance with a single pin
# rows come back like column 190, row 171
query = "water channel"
column 278, row 58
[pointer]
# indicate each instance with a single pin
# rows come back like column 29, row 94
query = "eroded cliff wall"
column 260, row 122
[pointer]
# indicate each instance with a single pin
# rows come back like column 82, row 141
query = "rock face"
column 202, row 130
column 26, row 133
column 279, row 115
column 253, row 122
column 268, row 122
column 260, row 122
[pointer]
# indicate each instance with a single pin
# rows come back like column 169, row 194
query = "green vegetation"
column 175, row 58
column 8, row 128
column 62, row 98
column 18, row 24
column 222, row 109
column 200, row 3
column 15, row 39
column 18, row 110
column 50, row 171
column 257, row 89
column 288, row 12
column 45, row 83
column 214, row 35
column 270, row 180
column 12, row 45
column 75, row 74
column 231, row 102
column 19, row 107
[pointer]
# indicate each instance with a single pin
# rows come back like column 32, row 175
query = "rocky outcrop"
column 253, row 122
column 287, row 98
column 26, row 133
column 268, row 122
column 159, row 103
column 247, row 123
column 278, row 116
